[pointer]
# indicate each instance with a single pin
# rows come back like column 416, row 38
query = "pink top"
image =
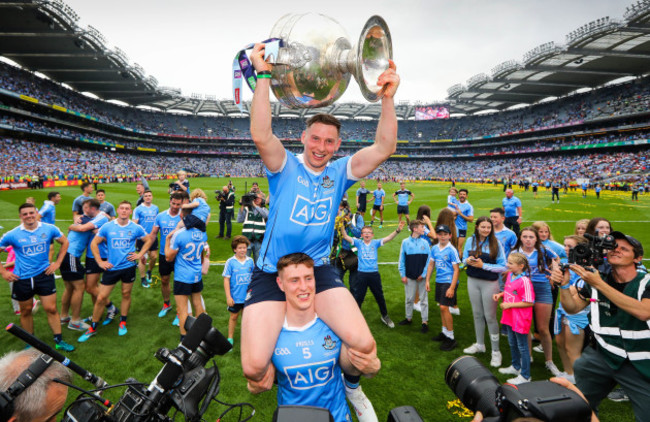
column 518, row 289
column 11, row 256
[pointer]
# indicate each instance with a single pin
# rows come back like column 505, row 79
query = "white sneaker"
column 538, row 349
column 509, row 370
column 454, row 311
column 389, row 322
column 362, row 406
column 417, row 307
column 550, row 366
column 519, row 379
column 570, row 378
column 495, row 362
column 474, row 348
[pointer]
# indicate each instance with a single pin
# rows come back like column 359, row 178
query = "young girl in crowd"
column 581, row 227
column 518, row 298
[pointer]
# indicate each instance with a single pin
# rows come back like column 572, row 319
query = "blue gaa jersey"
column 507, row 238
column 467, row 210
column 444, row 259
column 307, row 366
column 77, row 204
column 189, row 244
column 108, row 208
column 202, row 211
column 303, row 210
column 48, row 212
column 146, row 216
column 32, row 248
column 510, row 206
column 165, row 223
column 79, row 240
column 98, row 222
column 379, row 195
column 121, row 242
column 557, row 248
column 403, row 197
column 368, row 255
column 240, row 277
column 535, row 275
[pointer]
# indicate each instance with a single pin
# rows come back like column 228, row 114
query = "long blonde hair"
column 521, row 259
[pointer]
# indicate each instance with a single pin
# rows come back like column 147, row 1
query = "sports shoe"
column 65, row 320
column 110, row 315
column 36, row 304
column 405, row 322
column 510, row 370
column 618, row 395
column 122, row 330
column 570, row 378
column 495, row 362
column 78, row 326
column 165, row 309
column 448, row 344
column 62, row 345
column 424, row 329
column 519, row 379
column 145, row 283
column 389, row 322
column 381, row 226
column 454, row 311
column 176, row 321
column 362, row 406
column 17, row 313
column 538, row 349
column 88, row 334
column 550, row 366
column 439, row 337
column 474, row 348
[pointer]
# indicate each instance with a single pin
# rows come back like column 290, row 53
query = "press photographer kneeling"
column 619, row 319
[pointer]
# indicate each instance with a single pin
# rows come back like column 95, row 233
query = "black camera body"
column 220, row 195
column 248, row 199
column 591, row 254
column 479, row 390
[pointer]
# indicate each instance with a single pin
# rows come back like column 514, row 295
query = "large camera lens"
column 473, row 384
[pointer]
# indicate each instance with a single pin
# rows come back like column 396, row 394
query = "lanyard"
column 242, row 68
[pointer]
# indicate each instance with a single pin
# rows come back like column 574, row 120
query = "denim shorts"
column 543, row 292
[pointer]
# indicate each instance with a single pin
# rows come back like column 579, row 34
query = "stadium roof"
column 43, row 36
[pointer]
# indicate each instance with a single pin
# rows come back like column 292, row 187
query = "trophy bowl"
column 313, row 67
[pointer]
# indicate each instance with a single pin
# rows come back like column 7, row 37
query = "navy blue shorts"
column 139, row 244
column 264, row 286
column 186, row 289
column 193, row 222
column 164, row 267
column 92, row 267
column 462, row 232
column 403, row 209
column 26, row 288
column 441, row 294
column 235, row 309
column 361, row 207
column 126, row 276
column 376, row 207
column 71, row 268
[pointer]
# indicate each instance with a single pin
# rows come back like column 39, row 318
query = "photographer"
column 253, row 214
column 226, row 198
column 620, row 310
column 182, row 184
column 44, row 399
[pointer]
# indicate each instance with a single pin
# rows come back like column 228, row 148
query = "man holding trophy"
column 307, row 190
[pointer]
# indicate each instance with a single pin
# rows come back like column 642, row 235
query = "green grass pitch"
column 412, row 365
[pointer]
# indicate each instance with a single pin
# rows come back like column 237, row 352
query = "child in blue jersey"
column 307, row 346
column 452, row 199
column 368, row 270
column 186, row 248
column 200, row 210
column 33, row 273
column 413, row 258
column 444, row 258
column 145, row 215
column 236, row 277
column 120, row 235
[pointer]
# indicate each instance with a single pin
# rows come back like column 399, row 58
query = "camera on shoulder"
column 590, row 254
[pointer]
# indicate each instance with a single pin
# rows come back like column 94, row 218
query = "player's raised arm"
column 368, row 159
column 269, row 146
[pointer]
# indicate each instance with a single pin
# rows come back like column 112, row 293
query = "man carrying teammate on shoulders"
column 306, row 343
column 33, row 273
column 464, row 215
column 307, row 190
column 404, row 198
column 120, row 236
column 165, row 223
column 145, row 215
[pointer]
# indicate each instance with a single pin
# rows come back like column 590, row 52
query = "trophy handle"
column 369, row 58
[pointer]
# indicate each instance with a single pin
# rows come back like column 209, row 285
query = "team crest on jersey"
column 43, row 236
column 329, row 343
column 327, row 182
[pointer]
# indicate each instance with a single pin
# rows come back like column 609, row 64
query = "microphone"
column 44, row 348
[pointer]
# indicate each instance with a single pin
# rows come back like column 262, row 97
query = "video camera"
column 591, row 254
column 248, row 199
column 220, row 195
column 479, row 390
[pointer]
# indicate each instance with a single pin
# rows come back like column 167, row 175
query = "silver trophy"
column 313, row 67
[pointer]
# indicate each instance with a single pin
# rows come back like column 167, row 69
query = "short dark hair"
column 464, row 190
column 84, row 185
column 125, row 202
column 99, row 190
column 25, row 205
column 500, row 210
column 414, row 223
column 92, row 202
column 295, row 259
column 179, row 195
column 147, row 191
column 326, row 119
column 237, row 240
column 52, row 195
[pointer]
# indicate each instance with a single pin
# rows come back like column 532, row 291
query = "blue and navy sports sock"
column 122, row 318
column 58, row 338
column 352, row 381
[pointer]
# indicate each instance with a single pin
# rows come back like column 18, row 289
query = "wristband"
column 565, row 286
column 397, row 231
column 264, row 76
column 263, row 72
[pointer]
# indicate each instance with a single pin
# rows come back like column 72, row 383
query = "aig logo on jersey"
column 304, row 377
column 120, row 243
column 307, row 213
column 34, row 249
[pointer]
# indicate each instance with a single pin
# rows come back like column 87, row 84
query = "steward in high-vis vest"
column 619, row 319
column 254, row 216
